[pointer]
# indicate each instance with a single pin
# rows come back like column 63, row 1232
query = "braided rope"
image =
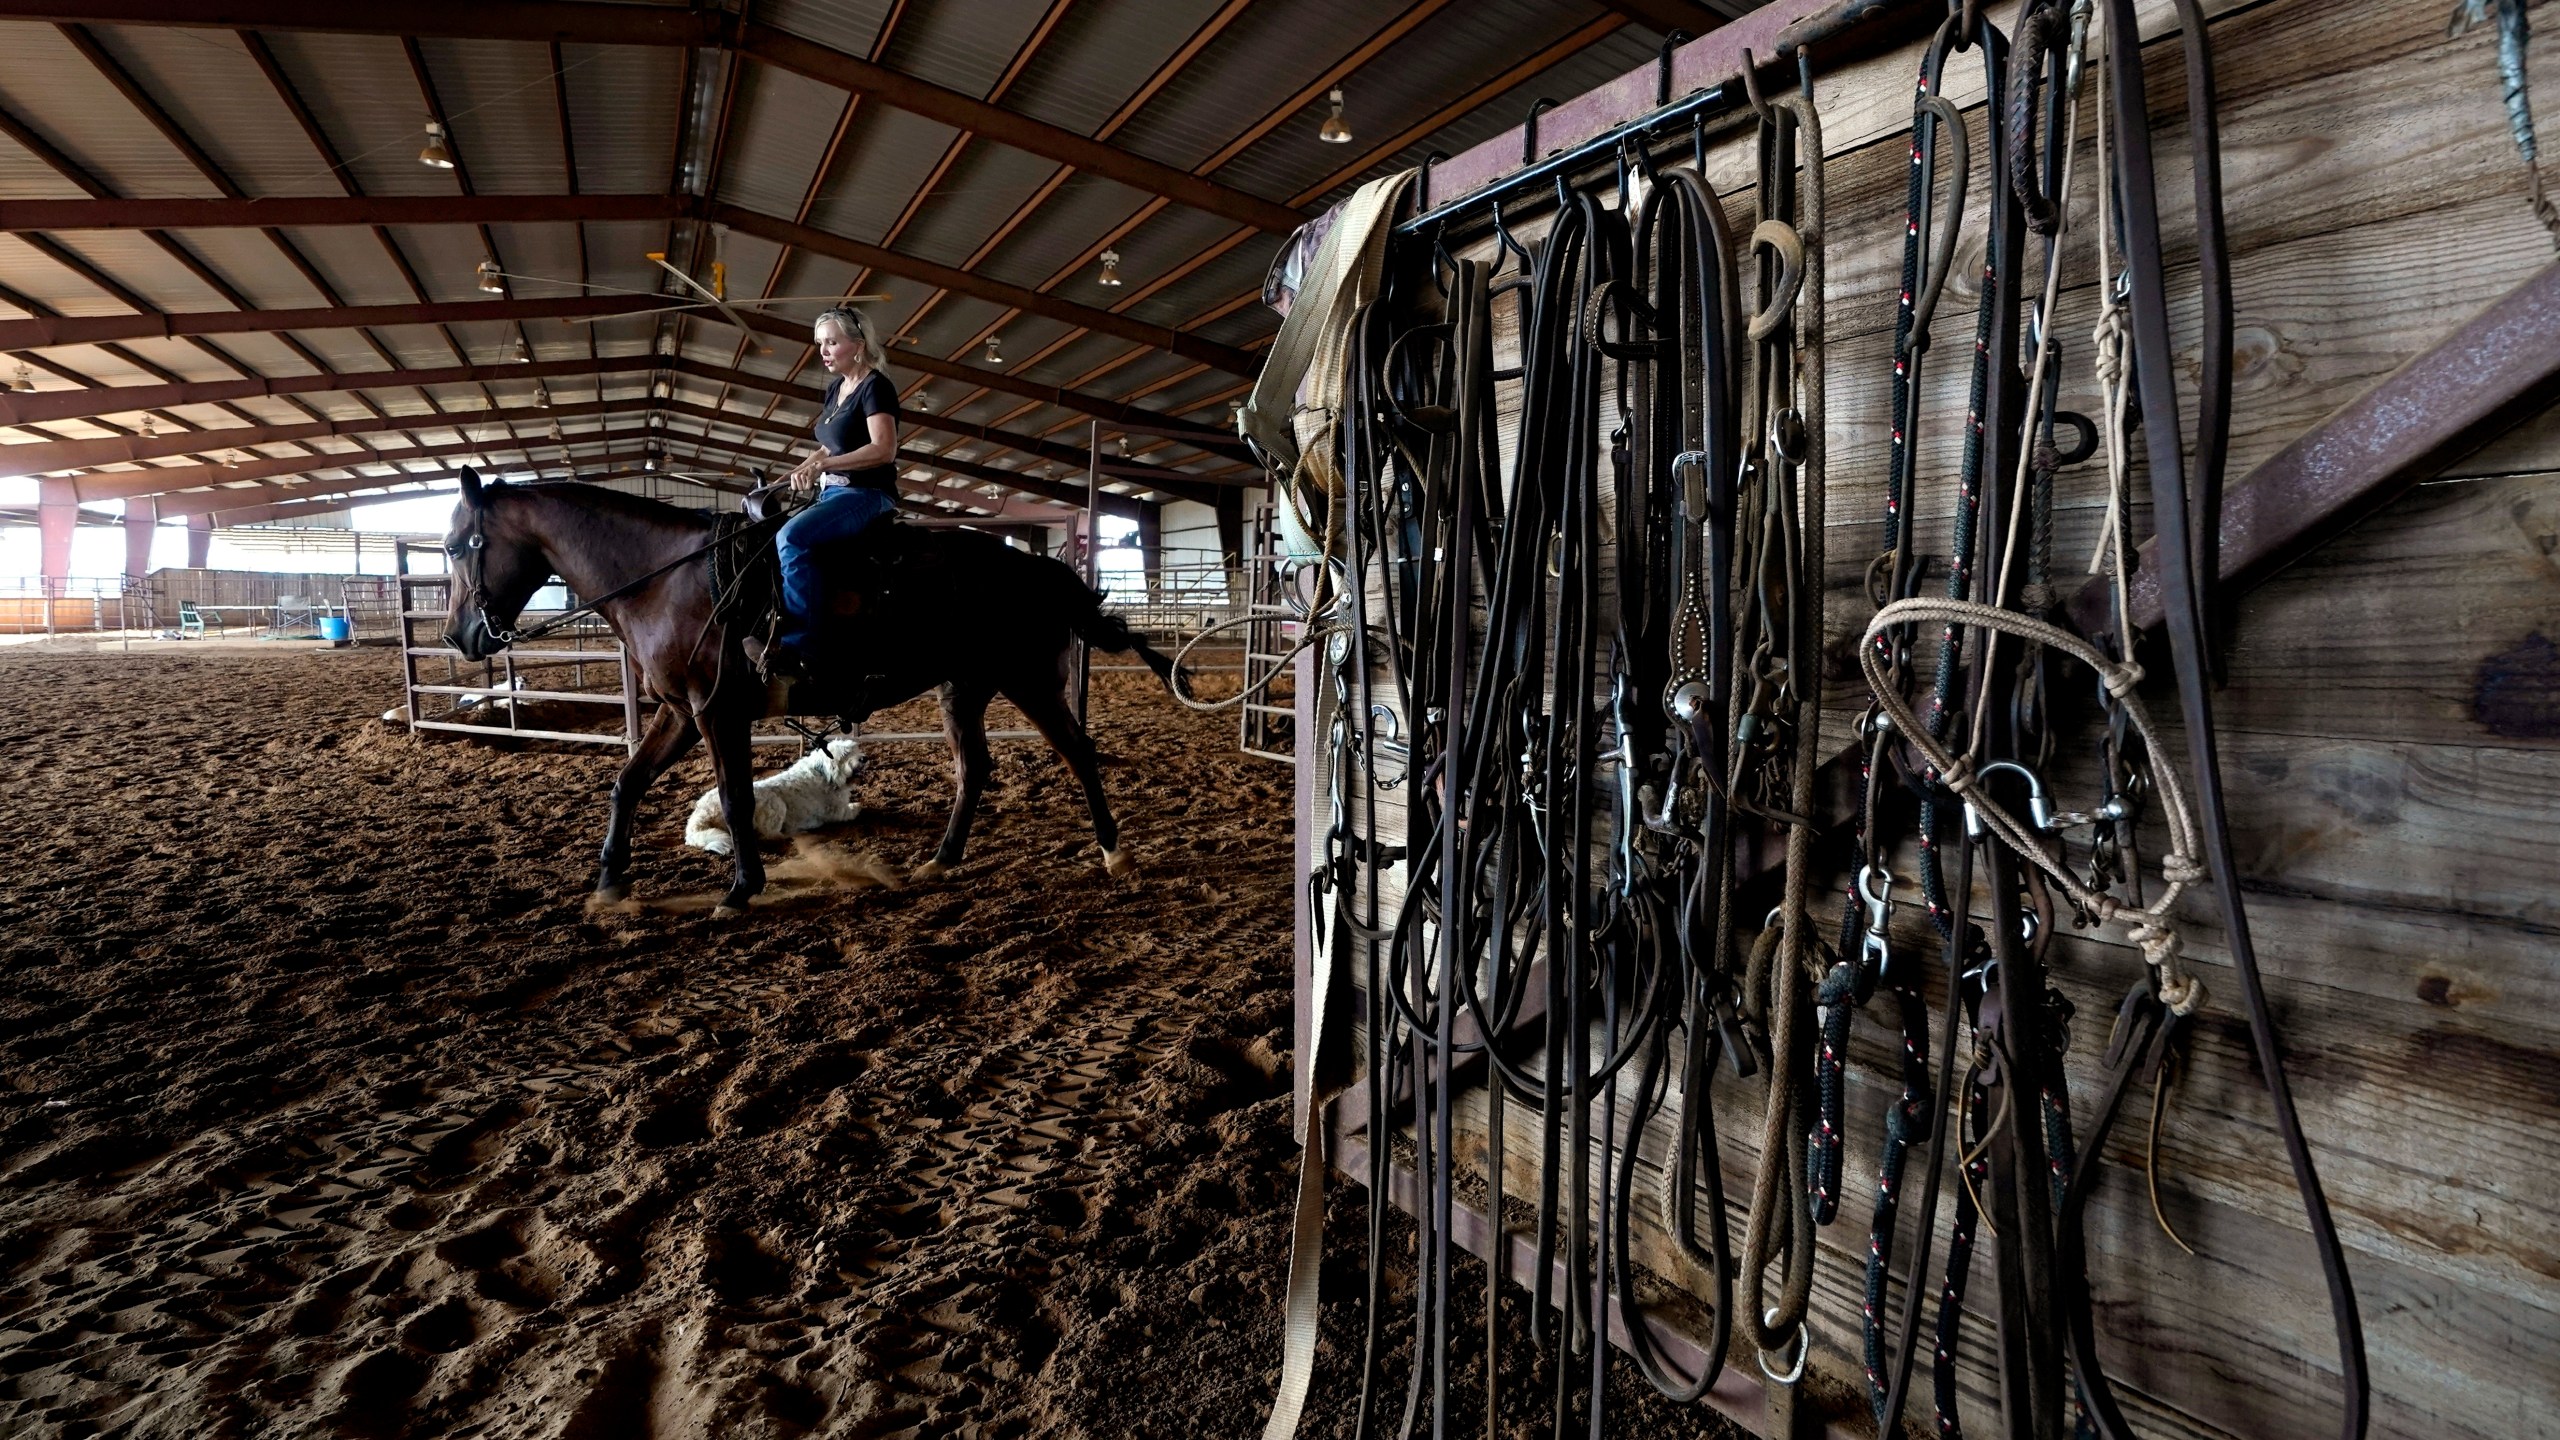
column 2149, row 927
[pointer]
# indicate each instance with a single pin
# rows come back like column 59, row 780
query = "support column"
column 1231, row 544
column 1151, row 548
column 141, row 522
column 199, row 540
column 57, row 518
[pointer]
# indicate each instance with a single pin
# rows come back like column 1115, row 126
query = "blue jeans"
column 839, row 513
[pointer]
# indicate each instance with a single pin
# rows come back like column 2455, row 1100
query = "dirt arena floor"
column 327, row 1107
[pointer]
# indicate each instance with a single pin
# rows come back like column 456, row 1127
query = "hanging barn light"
column 436, row 156
column 995, row 349
column 1335, row 130
column 490, row 281
column 1111, row 268
column 26, row 380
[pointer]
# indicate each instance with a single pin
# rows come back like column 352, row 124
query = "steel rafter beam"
column 1060, row 491
column 1135, row 418
column 1170, row 481
column 44, row 332
column 809, row 238
column 482, row 210
column 190, row 213
column 56, row 405
column 49, row 331
column 276, row 480
column 38, row 458
column 574, row 22
column 168, row 481
column 61, row 405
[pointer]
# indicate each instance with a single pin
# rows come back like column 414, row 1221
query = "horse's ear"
column 470, row 486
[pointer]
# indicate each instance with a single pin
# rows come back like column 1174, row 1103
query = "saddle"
column 869, row 581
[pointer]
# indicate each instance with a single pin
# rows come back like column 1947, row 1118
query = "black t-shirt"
column 845, row 426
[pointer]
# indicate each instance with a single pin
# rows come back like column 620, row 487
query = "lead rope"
column 1788, row 364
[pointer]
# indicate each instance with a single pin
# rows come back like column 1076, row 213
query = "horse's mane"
column 618, row 502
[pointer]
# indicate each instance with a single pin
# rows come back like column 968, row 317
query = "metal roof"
column 947, row 136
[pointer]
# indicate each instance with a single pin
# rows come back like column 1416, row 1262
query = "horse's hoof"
column 612, row 894
column 1120, row 864
column 726, row 911
column 927, row 873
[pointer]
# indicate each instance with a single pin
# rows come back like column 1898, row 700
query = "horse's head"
column 495, row 565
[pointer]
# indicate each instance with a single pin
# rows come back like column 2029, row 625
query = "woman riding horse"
column 855, row 470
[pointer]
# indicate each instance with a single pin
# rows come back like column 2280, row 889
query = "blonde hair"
column 857, row 326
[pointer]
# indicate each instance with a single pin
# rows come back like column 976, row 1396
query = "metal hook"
column 1502, row 233
column 1529, row 130
column 1751, row 86
column 1662, row 69
column 1875, row 891
column 1644, row 159
column 1422, row 195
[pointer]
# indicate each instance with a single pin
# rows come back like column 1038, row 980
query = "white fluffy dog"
column 816, row 791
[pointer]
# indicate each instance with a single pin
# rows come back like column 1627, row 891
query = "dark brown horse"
column 964, row 611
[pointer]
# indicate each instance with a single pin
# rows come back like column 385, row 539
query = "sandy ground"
column 327, row 1107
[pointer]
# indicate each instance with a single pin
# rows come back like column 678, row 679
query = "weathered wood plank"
column 2419, row 625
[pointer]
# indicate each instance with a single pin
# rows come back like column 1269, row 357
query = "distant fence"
column 247, row 602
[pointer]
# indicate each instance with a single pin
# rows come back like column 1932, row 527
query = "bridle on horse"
column 474, row 546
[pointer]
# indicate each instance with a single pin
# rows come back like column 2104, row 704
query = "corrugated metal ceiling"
column 1228, row 89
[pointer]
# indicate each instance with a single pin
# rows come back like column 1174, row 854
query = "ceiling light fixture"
column 150, row 426
column 26, row 380
column 490, row 281
column 436, row 156
column 995, row 349
column 1111, row 268
column 555, row 430
column 524, row 352
column 1124, row 447
column 923, row 402
column 658, row 391
column 1335, row 130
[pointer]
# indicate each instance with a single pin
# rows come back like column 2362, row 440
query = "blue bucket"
column 337, row 629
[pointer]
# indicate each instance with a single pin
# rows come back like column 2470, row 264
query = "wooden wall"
column 2391, row 745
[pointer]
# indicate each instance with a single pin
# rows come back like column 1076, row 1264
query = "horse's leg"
column 663, row 743
column 733, row 761
column 1044, row 703
column 964, row 724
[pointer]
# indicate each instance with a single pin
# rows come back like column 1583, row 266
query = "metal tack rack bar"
column 1779, row 40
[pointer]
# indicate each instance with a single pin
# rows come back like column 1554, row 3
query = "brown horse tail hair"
column 1103, row 630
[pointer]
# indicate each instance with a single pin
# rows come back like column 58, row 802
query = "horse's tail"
column 1103, row 630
